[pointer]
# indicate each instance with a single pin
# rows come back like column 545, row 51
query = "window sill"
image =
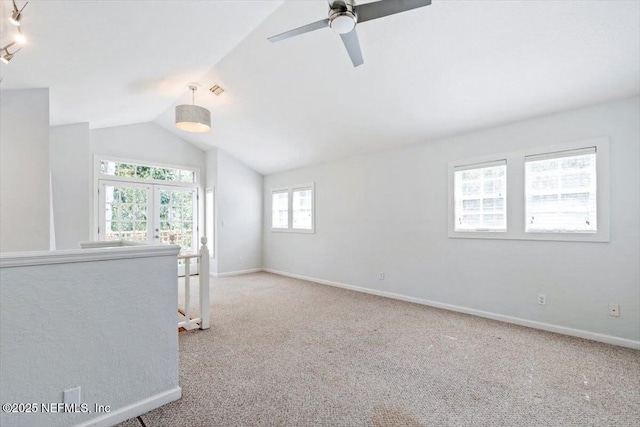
column 295, row 230
column 600, row 237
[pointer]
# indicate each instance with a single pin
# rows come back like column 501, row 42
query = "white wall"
column 146, row 141
column 387, row 212
column 239, row 216
column 24, row 170
column 71, row 182
column 211, row 181
column 108, row 326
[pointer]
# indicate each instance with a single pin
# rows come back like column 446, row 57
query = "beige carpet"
column 285, row 352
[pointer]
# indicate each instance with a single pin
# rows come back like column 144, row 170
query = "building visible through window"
column 560, row 192
column 480, row 194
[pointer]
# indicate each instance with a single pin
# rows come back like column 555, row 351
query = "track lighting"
column 16, row 16
column 19, row 37
column 8, row 56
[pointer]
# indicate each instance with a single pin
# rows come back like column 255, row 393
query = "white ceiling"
column 115, row 62
column 447, row 68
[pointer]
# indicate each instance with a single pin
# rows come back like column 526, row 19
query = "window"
column 302, row 208
column 292, row 209
column 480, row 197
column 145, row 172
column 560, row 192
column 210, row 220
column 280, row 209
column 145, row 202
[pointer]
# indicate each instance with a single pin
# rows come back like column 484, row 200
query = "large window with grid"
column 280, row 209
column 560, row 192
column 480, row 197
column 146, row 203
column 292, row 208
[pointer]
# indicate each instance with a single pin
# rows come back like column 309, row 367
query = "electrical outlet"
column 614, row 310
column 381, row 276
column 542, row 299
column 73, row 395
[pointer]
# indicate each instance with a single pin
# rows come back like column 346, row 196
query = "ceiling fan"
column 344, row 15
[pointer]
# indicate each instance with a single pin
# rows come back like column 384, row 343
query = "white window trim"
column 516, row 194
column 290, row 189
column 497, row 162
column 97, row 177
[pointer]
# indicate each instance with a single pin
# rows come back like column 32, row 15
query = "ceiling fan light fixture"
column 193, row 118
column 343, row 22
column 344, row 15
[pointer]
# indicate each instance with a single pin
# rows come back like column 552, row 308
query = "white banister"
column 187, row 289
column 202, row 258
column 203, row 279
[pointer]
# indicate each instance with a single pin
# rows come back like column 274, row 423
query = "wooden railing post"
column 203, row 279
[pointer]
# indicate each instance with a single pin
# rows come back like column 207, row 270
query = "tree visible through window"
column 127, row 170
column 147, row 203
column 126, row 213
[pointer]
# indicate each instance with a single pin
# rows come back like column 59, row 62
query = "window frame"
column 559, row 191
column 97, row 177
column 288, row 192
column 97, row 158
column 475, row 166
column 290, row 189
column 515, row 190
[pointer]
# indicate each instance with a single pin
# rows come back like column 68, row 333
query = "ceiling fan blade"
column 352, row 44
column 301, row 30
column 379, row 9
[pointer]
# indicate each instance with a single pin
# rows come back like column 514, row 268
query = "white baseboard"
column 237, row 273
column 135, row 409
column 608, row 339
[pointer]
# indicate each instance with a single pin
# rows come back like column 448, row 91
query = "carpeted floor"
column 285, row 352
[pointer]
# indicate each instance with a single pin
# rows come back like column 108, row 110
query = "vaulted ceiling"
column 447, row 68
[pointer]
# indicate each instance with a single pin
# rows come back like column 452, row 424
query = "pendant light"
column 193, row 118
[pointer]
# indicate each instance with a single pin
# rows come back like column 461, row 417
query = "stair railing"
column 202, row 259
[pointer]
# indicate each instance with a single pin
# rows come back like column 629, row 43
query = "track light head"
column 7, row 46
column 16, row 16
column 7, row 56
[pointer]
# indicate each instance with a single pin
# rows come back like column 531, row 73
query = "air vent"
column 216, row 90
